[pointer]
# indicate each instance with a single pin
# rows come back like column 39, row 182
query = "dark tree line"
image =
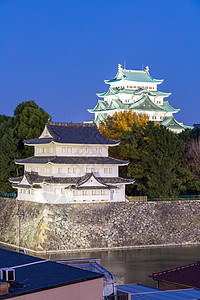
column 28, row 122
column 161, row 162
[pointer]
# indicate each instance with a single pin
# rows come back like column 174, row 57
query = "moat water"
column 135, row 266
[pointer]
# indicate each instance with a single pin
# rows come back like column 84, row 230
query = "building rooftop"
column 34, row 274
column 72, row 160
column 144, row 103
column 171, row 123
column 71, row 133
column 33, row 179
column 134, row 75
column 141, row 292
column 187, row 275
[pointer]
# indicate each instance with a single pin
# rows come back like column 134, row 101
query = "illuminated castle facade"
column 137, row 91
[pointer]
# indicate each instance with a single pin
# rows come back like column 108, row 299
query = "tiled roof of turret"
column 36, row 179
column 171, row 123
column 144, row 103
column 134, row 75
column 72, row 160
column 72, row 133
column 169, row 108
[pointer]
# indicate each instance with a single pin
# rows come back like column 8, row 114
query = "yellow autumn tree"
column 114, row 126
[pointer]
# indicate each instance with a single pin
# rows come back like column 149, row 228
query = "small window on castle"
column 150, row 87
column 110, row 170
column 88, row 170
column 46, row 170
column 105, row 170
column 100, row 150
column 62, row 191
column 60, row 170
column 63, row 150
column 74, row 170
column 69, row 150
column 92, row 169
column 134, row 87
column 69, row 170
column 56, row 191
column 94, row 150
column 138, row 87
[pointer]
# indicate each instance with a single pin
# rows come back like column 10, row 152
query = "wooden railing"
column 136, row 198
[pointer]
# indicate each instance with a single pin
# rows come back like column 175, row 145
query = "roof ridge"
column 71, row 124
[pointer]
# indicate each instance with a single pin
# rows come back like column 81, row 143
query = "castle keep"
column 70, row 165
column 137, row 91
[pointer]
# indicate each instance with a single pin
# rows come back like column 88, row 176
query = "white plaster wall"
column 58, row 194
column 81, row 150
column 81, row 170
column 45, row 150
column 135, row 84
column 71, row 150
column 23, row 194
column 103, row 170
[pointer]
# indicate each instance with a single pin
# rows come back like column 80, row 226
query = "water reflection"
column 135, row 266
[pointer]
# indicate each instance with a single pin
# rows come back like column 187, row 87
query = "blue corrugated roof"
column 33, row 273
column 141, row 292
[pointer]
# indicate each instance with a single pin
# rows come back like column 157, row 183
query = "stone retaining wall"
column 98, row 225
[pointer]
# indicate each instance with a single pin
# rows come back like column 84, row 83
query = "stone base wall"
column 47, row 227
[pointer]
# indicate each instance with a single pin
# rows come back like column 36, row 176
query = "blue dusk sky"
column 59, row 52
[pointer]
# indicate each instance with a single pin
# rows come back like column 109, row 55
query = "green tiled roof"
column 171, row 123
column 145, row 103
column 169, row 108
column 115, row 91
column 134, row 75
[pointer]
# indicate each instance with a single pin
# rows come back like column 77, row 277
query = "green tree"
column 156, row 157
column 114, row 126
column 28, row 122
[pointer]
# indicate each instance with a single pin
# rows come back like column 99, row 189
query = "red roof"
column 188, row 275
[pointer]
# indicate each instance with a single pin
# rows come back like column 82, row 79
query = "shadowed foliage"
column 28, row 122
